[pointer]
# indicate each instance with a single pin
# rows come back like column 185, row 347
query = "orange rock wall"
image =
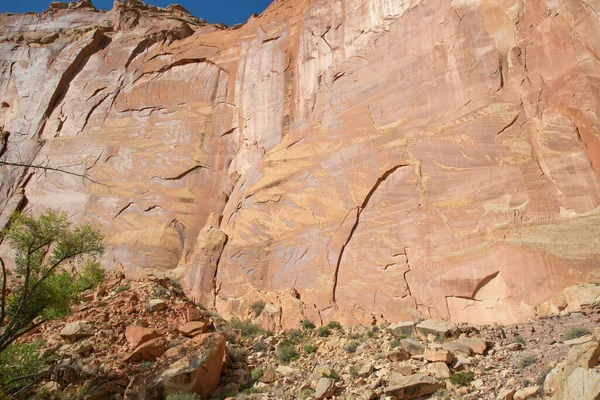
column 353, row 160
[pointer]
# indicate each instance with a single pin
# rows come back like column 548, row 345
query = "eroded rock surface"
column 362, row 161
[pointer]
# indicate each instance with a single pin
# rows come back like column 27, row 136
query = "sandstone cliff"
column 356, row 160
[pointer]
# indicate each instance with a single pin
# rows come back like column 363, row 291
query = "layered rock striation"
column 352, row 160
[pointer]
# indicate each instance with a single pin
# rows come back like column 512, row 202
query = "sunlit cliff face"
column 351, row 160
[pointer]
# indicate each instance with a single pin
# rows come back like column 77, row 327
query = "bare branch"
column 48, row 168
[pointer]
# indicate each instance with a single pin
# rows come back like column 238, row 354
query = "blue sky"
column 227, row 11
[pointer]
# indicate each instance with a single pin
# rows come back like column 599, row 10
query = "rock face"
column 340, row 160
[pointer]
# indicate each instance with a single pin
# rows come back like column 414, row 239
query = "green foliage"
column 257, row 373
column 43, row 248
column 307, row 325
column 237, row 354
column 323, row 331
column 295, row 335
column 332, row 375
column 396, row 343
column 257, row 307
column 286, row 351
column 248, row 329
column 370, row 334
column 183, row 396
column 260, row 346
column 306, row 394
column 122, row 289
column 353, row 371
column 19, row 360
column 576, row 332
column 310, row 348
column 519, row 339
column 526, row 360
column 462, row 378
column 334, row 325
column 351, row 347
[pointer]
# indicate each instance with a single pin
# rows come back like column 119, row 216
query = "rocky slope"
column 363, row 161
column 144, row 340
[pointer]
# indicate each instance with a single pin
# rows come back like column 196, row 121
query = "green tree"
column 42, row 288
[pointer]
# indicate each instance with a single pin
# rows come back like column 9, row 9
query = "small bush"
column 248, row 329
column 351, row 347
column 257, row 373
column 333, row 375
column 370, row 334
column 334, row 325
column 19, row 360
column 260, row 346
column 306, row 394
column 307, row 325
column 122, row 289
column 310, row 349
column 396, row 343
column 576, row 332
column 237, row 354
column 323, row 331
column 286, row 351
column 462, row 378
column 183, row 396
column 257, row 307
column 527, row 360
column 295, row 335
column 519, row 339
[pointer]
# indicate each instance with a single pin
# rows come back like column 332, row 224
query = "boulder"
column 457, row 347
column 583, row 356
column 366, row 370
column 580, row 340
column 193, row 314
column 437, row 355
column 284, row 370
column 269, row 376
column 198, row 372
column 137, row 335
column 76, row 330
column 581, row 384
column 439, row 370
column 412, row 387
column 442, row 330
column 402, row 329
column 530, row 392
column 581, row 295
column 149, row 351
column 193, row 328
column 157, row 305
column 325, row 388
column 414, row 347
column 506, row 394
column 399, row 355
column 477, row 345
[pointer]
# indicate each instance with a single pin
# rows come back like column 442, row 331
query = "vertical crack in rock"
column 97, row 43
column 215, row 291
column 364, row 204
column 406, row 251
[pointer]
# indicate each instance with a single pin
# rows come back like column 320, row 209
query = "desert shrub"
column 257, row 373
column 334, row 325
column 306, row 394
column 237, row 354
column 307, row 325
column 518, row 339
column 396, row 343
column 295, row 335
column 310, row 349
column 122, row 289
column 260, row 346
column 462, row 378
column 248, row 329
column 576, row 332
column 286, row 351
column 183, row 396
column 526, row 360
column 323, row 331
column 257, row 307
column 351, row 347
column 332, row 375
